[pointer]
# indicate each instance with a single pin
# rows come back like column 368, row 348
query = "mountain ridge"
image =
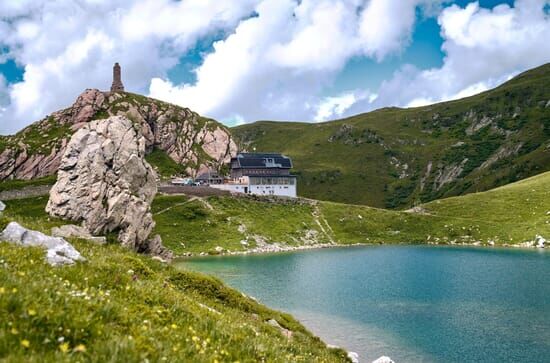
column 396, row 158
column 191, row 141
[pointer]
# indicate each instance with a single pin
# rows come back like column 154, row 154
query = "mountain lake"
column 411, row 303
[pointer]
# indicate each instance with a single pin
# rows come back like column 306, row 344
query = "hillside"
column 397, row 158
column 178, row 140
column 122, row 307
column 508, row 215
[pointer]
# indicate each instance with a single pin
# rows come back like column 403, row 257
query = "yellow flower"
column 64, row 347
column 2, row 290
column 14, row 290
column 174, row 326
column 80, row 348
column 32, row 312
column 25, row 343
column 14, row 331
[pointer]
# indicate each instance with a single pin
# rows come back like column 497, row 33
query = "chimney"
column 117, row 85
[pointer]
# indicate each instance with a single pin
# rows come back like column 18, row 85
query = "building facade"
column 261, row 174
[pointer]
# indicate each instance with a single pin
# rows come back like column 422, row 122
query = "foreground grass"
column 119, row 306
column 507, row 215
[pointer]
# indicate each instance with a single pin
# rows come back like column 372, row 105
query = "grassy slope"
column 350, row 160
column 119, row 306
column 506, row 215
column 163, row 164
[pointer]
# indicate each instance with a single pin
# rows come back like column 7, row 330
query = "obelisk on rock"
column 117, row 85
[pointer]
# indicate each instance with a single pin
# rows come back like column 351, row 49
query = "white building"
column 261, row 174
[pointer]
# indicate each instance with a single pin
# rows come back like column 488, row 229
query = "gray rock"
column 105, row 182
column 2, row 206
column 71, row 230
column 540, row 241
column 58, row 251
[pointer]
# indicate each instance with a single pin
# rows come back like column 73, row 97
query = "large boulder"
column 58, row 251
column 105, row 182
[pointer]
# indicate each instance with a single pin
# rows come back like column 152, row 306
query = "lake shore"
column 280, row 248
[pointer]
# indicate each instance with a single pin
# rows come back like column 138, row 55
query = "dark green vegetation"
column 507, row 215
column 163, row 164
column 398, row 158
column 123, row 307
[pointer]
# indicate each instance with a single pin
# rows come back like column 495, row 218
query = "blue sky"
column 312, row 60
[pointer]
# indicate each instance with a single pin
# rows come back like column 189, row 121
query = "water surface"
column 413, row 303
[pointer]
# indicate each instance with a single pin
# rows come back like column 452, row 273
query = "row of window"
column 272, row 181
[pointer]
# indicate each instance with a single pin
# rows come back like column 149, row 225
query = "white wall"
column 280, row 190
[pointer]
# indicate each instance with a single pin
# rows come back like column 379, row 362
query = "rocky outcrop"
column 58, row 251
column 193, row 141
column 446, row 174
column 503, row 152
column 105, row 182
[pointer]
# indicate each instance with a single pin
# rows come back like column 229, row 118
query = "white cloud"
column 275, row 65
column 66, row 47
column 383, row 32
column 483, row 49
column 275, row 61
column 334, row 107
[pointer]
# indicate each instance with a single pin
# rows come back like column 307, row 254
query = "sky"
column 241, row 61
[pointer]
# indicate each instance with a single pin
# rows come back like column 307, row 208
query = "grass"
column 20, row 184
column 381, row 158
column 507, row 215
column 163, row 164
column 198, row 226
column 122, row 307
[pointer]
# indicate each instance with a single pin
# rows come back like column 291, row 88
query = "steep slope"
column 397, row 158
column 122, row 307
column 511, row 214
column 192, row 142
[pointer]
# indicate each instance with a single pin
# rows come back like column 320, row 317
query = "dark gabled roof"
column 262, row 160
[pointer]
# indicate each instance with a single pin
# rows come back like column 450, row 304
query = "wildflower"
column 25, row 343
column 32, row 312
column 14, row 331
column 64, row 347
column 174, row 326
column 2, row 290
column 14, row 290
column 80, row 348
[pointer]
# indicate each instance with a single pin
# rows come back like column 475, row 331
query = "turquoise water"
column 412, row 303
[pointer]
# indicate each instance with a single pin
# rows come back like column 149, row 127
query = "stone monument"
column 117, row 85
